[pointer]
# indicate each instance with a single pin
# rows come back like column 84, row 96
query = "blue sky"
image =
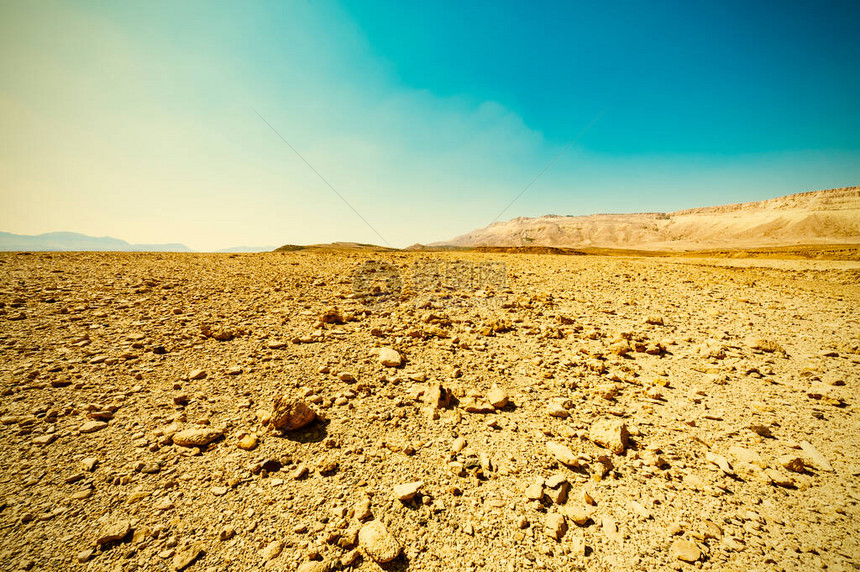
column 138, row 119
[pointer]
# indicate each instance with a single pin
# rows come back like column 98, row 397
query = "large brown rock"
column 377, row 542
column 199, row 437
column 610, row 434
column 290, row 414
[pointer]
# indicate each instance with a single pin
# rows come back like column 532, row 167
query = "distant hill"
column 73, row 241
column 817, row 217
column 335, row 246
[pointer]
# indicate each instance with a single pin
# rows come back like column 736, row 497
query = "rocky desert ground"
column 427, row 411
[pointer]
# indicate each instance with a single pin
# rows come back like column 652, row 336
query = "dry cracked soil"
column 416, row 411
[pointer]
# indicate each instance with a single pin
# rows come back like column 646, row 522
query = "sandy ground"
column 543, row 412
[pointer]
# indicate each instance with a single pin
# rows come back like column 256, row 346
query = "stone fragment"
column 313, row 566
column 197, row 437
column 763, row 344
column 390, row 357
column 818, row 460
column 272, row 550
column 92, row 426
column 720, row 461
column 197, row 374
column 497, row 397
column 476, row 404
column 289, row 414
column 792, row 463
column 610, row 434
column 248, row 442
column 579, row 514
column 377, row 542
column 610, row 528
column 555, row 481
column 85, row 555
column 406, row 492
column 437, row 396
column 562, row 454
column 187, row 557
column 44, row 439
column 761, row 430
column 362, row 509
column 115, row 531
column 534, row 491
column 558, row 494
column 779, row 478
column 556, row 408
column 332, row 316
column 747, row 456
column 685, row 550
column 640, row 510
column 555, row 525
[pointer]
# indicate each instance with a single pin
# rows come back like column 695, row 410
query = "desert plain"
column 453, row 411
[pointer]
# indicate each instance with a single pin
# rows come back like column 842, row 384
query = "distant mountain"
column 73, row 241
column 817, row 217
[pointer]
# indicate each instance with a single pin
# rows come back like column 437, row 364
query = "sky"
column 162, row 121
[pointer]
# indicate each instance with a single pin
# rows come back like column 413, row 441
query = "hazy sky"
column 139, row 119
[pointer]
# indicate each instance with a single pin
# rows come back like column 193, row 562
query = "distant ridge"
column 336, row 246
column 817, row 217
column 73, row 241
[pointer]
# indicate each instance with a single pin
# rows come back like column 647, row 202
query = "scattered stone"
column 792, row 463
column 534, row 491
column 85, row 555
column 761, row 430
column 610, row 528
column 332, row 316
column 290, row 414
column 497, row 397
column 248, row 442
column 197, row 374
column 362, row 509
column 555, row 525
column 92, row 426
column 818, row 460
column 476, row 404
column 313, row 566
column 272, row 550
column 610, row 434
column 747, row 456
column 377, row 542
column 562, row 454
column 640, row 510
column 390, row 357
column 197, row 437
column 45, row 439
column 578, row 514
column 406, row 492
column 186, row 558
column 720, row 461
column 764, row 345
column 556, row 408
column 115, row 531
column 779, row 479
column 685, row 550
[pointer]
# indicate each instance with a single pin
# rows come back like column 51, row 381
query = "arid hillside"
column 818, row 217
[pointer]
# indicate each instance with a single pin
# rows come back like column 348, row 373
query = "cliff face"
column 818, row 217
